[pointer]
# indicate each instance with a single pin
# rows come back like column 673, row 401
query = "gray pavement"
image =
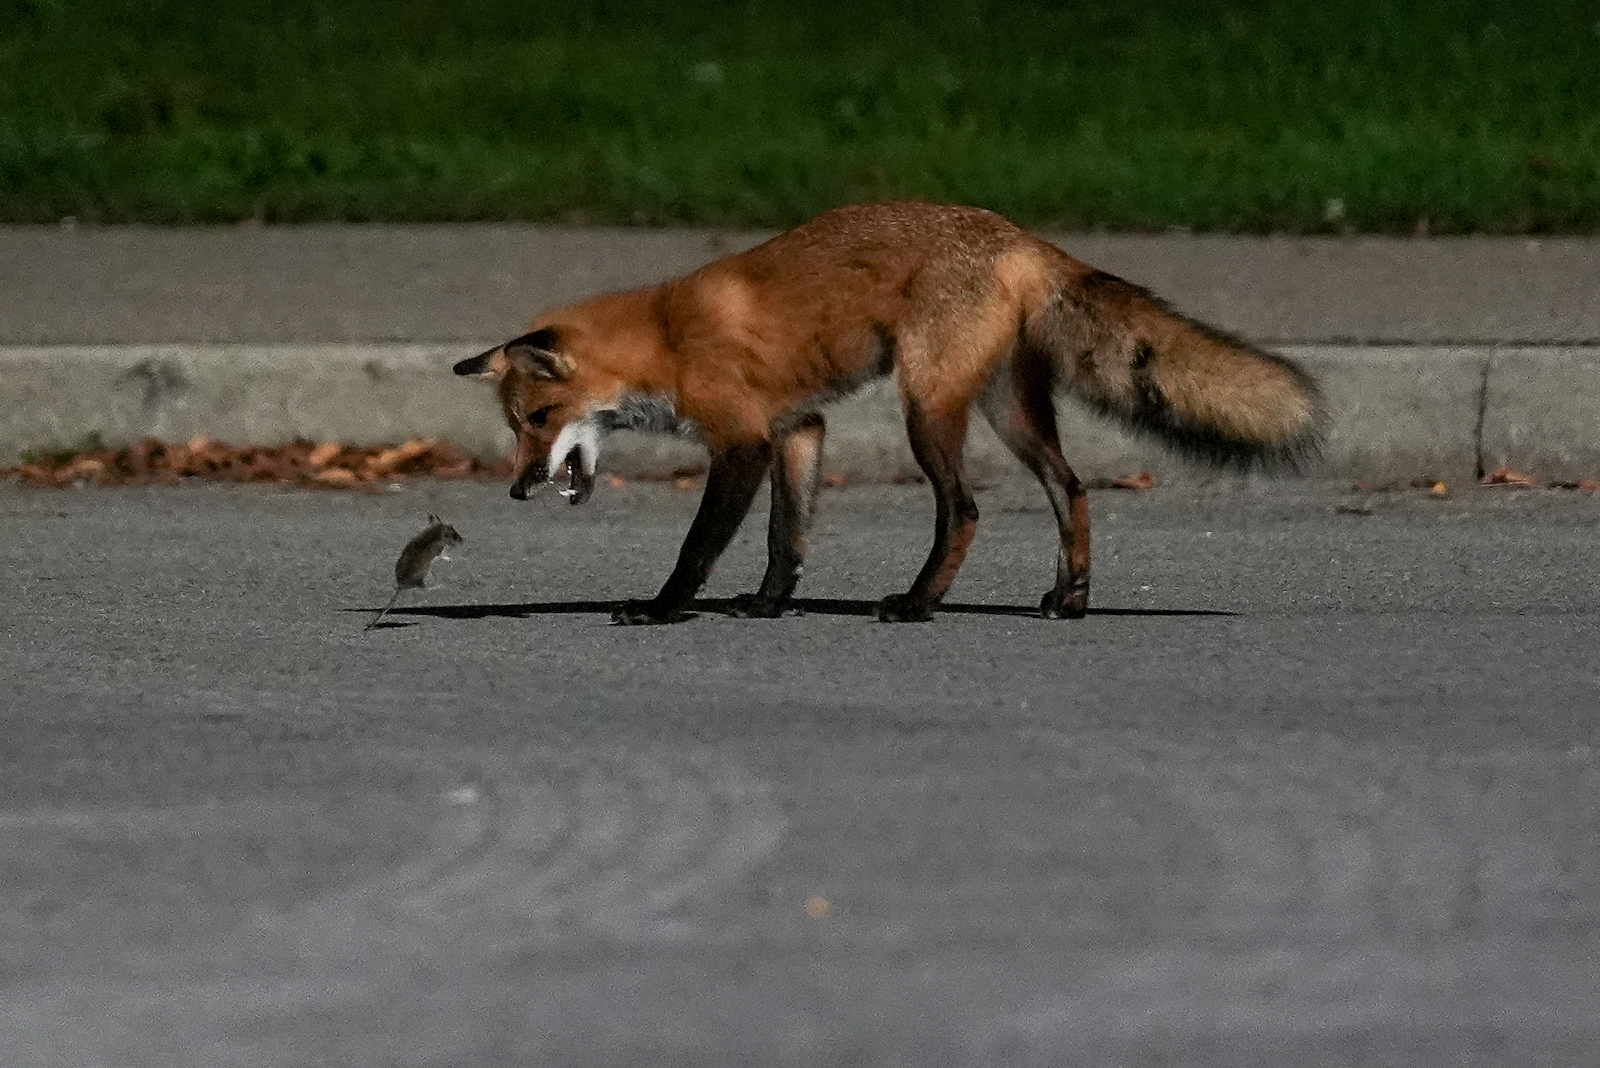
column 1443, row 357
column 308, row 284
column 1315, row 784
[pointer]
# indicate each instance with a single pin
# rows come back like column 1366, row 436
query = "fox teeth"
column 578, row 447
column 582, row 437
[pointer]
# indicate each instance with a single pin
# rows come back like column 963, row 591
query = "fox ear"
column 491, row 364
column 535, row 354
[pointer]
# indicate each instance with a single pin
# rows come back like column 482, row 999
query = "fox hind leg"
column 796, row 468
column 1018, row 404
column 937, row 442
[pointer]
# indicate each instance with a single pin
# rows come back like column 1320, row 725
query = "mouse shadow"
column 815, row 606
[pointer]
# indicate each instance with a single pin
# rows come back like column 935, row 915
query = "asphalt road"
column 1315, row 784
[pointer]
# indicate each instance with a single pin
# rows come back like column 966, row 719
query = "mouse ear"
column 433, row 519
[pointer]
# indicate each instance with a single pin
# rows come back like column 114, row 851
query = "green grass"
column 1351, row 114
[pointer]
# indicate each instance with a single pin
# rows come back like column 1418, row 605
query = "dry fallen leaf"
column 324, row 454
column 326, row 464
column 82, row 469
column 1142, row 481
column 336, row 476
column 1507, row 476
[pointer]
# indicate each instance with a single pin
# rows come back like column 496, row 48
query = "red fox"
column 962, row 307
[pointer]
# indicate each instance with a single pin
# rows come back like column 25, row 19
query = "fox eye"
column 539, row 416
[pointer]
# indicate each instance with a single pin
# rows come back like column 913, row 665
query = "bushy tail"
column 1201, row 391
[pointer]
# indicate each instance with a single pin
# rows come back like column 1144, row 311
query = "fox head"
column 550, row 406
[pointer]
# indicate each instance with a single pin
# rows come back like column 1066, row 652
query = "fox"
column 963, row 308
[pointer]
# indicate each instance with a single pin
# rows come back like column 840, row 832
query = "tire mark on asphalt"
column 611, row 846
column 524, row 848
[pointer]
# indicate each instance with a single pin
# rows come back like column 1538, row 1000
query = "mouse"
column 411, row 570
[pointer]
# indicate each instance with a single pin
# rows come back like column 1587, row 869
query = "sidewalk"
column 1440, row 357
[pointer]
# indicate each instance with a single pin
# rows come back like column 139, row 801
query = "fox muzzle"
column 534, row 475
column 580, row 478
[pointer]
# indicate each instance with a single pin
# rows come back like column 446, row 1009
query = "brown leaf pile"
column 152, row 461
column 1144, row 480
column 1506, row 477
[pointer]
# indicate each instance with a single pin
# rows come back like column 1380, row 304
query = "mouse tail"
column 385, row 610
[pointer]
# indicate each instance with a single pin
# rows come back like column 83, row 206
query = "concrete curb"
column 1399, row 412
column 1441, row 357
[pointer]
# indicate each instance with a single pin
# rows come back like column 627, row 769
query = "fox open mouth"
column 577, row 472
column 577, row 448
column 580, row 476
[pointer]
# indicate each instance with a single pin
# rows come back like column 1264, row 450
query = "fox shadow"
column 814, row 606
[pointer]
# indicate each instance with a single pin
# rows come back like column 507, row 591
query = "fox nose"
column 534, row 475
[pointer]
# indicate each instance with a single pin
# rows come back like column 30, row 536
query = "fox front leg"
column 731, row 483
column 796, row 468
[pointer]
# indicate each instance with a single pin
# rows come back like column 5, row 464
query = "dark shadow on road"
column 821, row 606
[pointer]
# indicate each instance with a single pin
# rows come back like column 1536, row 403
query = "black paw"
column 755, row 606
column 901, row 608
column 646, row 613
column 1057, row 605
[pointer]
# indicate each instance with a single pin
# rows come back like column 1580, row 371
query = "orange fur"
column 962, row 307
